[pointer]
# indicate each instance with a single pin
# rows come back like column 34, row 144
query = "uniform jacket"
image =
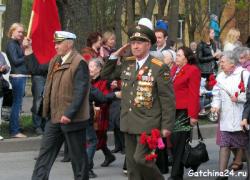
column 67, row 90
column 186, row 89
column 230, row 112
column 136, row 119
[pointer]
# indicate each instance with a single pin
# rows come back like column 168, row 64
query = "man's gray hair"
column 241, row 51
column 231, row 57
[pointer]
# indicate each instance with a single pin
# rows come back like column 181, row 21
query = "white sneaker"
column 1, row 137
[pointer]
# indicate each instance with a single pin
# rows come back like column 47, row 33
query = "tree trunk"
column 118, row 20
column 11, row 15
column 130, row 13
column 75, row 17
column 142, row 7
column 173, row 21
column 150, row 9
column 161, row 8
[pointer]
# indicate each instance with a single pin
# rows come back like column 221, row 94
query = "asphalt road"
column 19, row 166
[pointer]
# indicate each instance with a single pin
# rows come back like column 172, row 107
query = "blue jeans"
column 91, row 141
column 18, row 91
column 38, row 83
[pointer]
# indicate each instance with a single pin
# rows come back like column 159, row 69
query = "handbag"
column 194, row 156
column 5, row 85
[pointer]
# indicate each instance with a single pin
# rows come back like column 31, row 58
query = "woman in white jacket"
column 228, row 100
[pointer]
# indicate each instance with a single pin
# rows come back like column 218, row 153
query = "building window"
column 180, row 28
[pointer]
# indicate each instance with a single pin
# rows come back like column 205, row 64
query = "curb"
column 33, row 143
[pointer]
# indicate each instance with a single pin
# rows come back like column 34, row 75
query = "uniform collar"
column 142, row 61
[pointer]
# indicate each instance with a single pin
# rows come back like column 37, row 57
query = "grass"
column 25, row 124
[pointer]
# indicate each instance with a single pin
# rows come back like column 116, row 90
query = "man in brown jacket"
column 66, row 107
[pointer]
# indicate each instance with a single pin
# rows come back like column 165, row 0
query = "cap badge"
column 137, row 34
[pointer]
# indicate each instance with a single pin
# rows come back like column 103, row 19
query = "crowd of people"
column 148, row 83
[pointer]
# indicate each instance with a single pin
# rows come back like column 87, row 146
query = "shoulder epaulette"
column 157, row 62
column 130, row 58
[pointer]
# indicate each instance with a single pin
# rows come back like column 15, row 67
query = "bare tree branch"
column 226, row 23
column 161, row 8
column 150, row 8
column 142, row 7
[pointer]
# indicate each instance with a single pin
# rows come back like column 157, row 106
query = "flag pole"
column 30, row 24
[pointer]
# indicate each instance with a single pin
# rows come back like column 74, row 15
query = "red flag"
column 45, row 23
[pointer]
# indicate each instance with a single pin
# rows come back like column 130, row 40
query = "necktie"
column 137, row 66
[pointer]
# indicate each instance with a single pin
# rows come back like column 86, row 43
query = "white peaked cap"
column 146, row 22
column 62, row 35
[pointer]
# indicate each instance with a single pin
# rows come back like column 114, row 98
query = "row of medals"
column 144, row 89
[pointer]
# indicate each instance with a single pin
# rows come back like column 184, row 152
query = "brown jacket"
column 65, row 93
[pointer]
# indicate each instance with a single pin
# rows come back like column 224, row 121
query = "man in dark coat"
column 66, row 106
column 147, row 100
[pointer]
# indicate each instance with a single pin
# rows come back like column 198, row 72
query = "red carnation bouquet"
column 153, row 141
column 211, row 81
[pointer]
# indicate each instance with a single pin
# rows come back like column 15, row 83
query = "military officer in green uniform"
column 148, row 100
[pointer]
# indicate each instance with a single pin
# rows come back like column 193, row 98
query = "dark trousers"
column 51, row 143
column 138, row 167
column 178, row 140
column 91, row 143
column 38, row 83
column 119, row 139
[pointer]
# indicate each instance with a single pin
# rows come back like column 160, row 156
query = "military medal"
column 144, row 88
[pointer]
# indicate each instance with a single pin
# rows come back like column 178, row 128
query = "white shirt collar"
column 142, row 61
column 161, row 48
column 65, row 57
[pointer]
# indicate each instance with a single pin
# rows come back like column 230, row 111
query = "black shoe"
column 125, row 172
column 108, row 160
column 92, row 174
column 116, row 150
column 65, row 160
column 123, row 151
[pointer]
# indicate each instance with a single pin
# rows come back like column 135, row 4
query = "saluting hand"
column 120, row 52
column 65, row 120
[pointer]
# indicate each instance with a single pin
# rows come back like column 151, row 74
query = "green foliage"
column 26, row 11
column 242, row 4
column 103, row 15
column 25, row 123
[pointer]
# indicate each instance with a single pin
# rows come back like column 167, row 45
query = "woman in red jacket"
column 102, row 121
column 186, row 81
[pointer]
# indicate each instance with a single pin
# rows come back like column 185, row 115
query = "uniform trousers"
column 179, row 140
column 138, row 167
column 52, row 141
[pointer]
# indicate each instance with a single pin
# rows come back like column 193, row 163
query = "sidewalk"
column 33, row 143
